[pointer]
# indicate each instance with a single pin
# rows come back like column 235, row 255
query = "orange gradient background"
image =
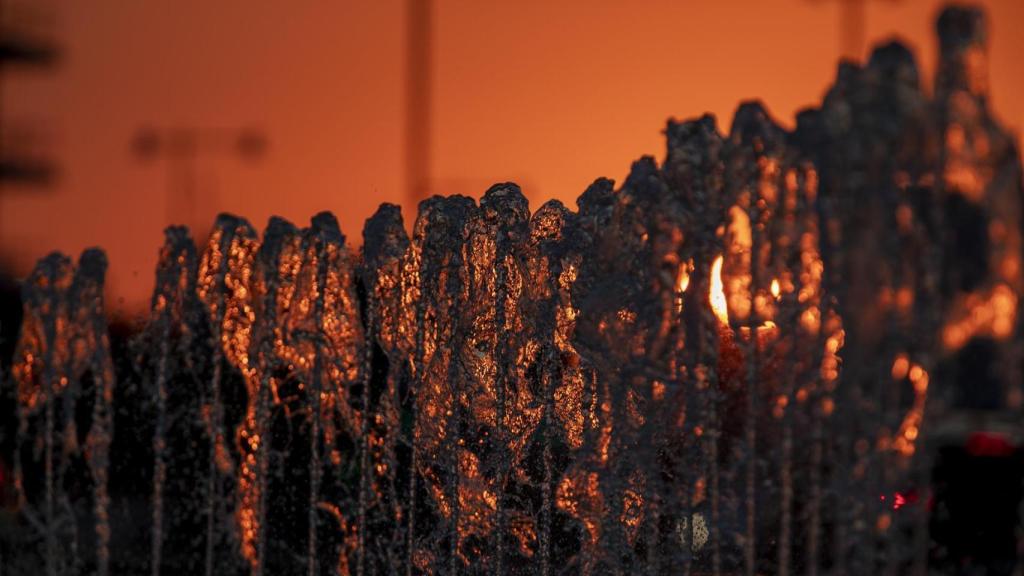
column 548, row 94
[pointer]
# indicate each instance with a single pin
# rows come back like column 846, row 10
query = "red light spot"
column 898, row 501
column 989, row 444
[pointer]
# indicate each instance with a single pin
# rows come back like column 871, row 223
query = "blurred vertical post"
column 417, row 99
column 852, row 16
column 853, row 28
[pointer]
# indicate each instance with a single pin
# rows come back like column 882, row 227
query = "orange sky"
column 549, row 94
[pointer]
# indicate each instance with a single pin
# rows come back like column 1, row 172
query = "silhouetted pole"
column 419, row 46
column 853, row 27
column 852, row 14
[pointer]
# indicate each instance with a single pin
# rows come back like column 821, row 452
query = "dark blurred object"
column 25, row 43
column 852, row 28
column 10, row 320
column 16, row 49
column 251, row 144
column 150, row 142
column 976, row 486
column 418, row 96
column 23, row 155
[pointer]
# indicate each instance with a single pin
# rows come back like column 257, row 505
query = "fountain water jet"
column 624, row 388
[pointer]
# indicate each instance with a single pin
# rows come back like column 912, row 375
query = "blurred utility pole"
column 853, row 28
column 182, row 147
column 418, row 88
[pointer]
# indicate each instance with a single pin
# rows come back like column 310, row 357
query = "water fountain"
column 741, row 361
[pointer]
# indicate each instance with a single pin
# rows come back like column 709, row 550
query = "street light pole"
column 418, row 92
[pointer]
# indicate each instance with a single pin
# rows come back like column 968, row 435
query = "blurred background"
column 118, row 118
